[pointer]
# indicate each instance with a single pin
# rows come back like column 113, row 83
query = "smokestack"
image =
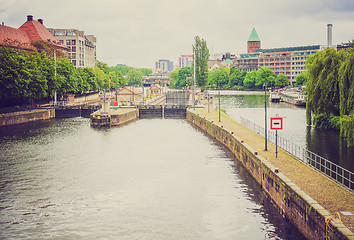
column 29, row 18
column 40, row 20
column 329, row 35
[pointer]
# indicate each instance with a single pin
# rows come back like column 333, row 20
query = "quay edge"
column 309, row 217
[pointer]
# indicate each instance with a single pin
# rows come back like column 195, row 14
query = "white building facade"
column 82, row 48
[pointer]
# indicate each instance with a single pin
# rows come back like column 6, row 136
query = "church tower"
column 253, row 42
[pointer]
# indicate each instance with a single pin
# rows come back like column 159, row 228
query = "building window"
column 73, row 42
column 73, row 49
column 58, row 33
column 61, row 41
column 74, row 62
column 68, row 42
column 70, row 34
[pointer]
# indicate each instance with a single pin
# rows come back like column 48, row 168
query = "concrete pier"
column 114, row 117
column 316, row 205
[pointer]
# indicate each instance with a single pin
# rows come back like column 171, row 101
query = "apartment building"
column 247, row 62
column 164, row 65
column 185, row 61
column 81, row 47
column 289, row 61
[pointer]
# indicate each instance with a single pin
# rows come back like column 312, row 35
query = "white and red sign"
column 276, row 123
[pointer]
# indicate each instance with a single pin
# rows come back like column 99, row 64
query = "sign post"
column 276, row 124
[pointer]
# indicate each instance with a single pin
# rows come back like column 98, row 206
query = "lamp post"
column 265, row 112
column 194, row 79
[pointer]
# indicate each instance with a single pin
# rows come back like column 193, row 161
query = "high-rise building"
column 164, row 65
column 253, row 42
column 185, row 61
column 82, row 48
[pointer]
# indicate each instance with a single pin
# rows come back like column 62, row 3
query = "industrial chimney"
column 329, row 35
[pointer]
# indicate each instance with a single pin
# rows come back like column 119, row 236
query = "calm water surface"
column 250, row 105
column 151, row 179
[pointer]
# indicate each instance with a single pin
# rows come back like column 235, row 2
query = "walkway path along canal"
column 324, row 192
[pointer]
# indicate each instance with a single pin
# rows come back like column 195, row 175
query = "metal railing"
column 332, row 170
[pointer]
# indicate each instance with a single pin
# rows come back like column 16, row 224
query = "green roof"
column 254, row 36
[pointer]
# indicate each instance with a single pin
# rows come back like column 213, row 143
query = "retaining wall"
column 26, row 116
column 312, row 220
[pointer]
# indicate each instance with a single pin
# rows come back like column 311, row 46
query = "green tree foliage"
column 104, row 67
column 117, row 79
column 236, row 77
column 281, row 81
column 174, row 77
column 31, row 76
column 201, row 53
column 330, row 91
column 219, row 77
column 301, row 79
column 250, row 80
column 181, row 77
column 265, row 76
column 323, row 82
column 184, row 77
column 135, row 77
column 125, row 70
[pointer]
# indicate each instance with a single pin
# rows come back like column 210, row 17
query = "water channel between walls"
column 307, row 214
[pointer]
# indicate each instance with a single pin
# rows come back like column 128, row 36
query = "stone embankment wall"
column 306, row 214
column 26, row 116
column 123, row 118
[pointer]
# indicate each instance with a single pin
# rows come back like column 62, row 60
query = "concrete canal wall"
column 306, row 214
column 26, row 116
column 114, row 118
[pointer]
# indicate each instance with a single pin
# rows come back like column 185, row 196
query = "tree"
column 183, row 75
column 104, row 67
column 219, row 77
column 174, row 77
column 201, row 54
column 250, row 80
column 301, row 79
column 135, row 77
column 37, row 86
column 117, row 78
column 281, row 81
column 323, row 83
column 66, row 80
column 236, row 77
column 13, row 73
column 265, row 75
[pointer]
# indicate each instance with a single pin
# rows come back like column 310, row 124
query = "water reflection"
column 151, row 179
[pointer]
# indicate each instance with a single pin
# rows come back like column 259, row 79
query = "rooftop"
column 254, row 36
column 289, row 49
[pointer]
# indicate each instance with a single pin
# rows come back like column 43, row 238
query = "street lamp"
column 265, row 112
column 194, row 78
column 219, row 102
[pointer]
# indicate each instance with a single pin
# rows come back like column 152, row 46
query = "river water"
column 250, row 105
column 151, row 179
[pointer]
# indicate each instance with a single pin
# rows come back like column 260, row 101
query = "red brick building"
column 253, row 42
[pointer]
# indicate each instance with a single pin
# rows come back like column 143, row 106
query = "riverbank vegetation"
column 230, row 78
column 28, row 77
column 330, row 91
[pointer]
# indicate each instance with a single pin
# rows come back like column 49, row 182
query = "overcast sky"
column 140, row 32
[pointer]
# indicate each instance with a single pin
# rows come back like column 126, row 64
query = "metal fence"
column 332, row 170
